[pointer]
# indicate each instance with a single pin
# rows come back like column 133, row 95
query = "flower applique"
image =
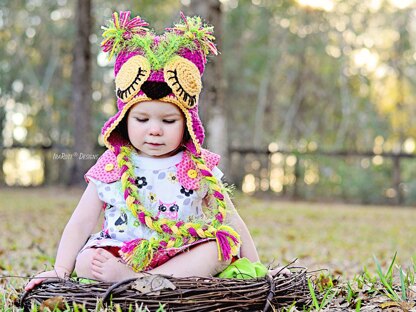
column 152, row 197
column 141, row 182
column 172, row 177
column 186, row 192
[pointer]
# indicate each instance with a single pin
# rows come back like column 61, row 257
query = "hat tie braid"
column 170, row 233
column 228, row 240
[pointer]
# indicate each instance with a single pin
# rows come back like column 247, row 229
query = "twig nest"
column 177, row 294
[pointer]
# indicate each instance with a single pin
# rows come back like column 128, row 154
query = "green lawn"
column 340, row 238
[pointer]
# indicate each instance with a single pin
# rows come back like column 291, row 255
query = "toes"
column 96, row 263
column 102, row 255
column 98, row 255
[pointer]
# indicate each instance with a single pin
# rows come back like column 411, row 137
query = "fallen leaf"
column 389, row 304
column 52, row 303
column 152, row 284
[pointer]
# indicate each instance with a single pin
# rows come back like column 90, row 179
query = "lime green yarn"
column 190, row 33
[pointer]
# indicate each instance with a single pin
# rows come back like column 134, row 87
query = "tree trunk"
column 81, row 93
column 213, row 107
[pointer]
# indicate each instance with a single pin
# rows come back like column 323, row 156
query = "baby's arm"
column 79, row 227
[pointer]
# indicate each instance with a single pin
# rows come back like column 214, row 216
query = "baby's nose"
column 155, row 129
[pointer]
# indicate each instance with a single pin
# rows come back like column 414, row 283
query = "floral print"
column 152, row 197
column 172, row 177
column 159, row 190
column 141, row 182
column 186, row 192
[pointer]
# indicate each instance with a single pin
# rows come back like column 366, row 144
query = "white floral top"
column 159, row 191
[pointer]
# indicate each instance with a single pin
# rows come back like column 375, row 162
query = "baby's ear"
column 121, row 30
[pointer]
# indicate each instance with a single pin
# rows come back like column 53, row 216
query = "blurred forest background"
column 317, row 98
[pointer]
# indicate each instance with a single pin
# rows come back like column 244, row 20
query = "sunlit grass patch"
column 342, row 239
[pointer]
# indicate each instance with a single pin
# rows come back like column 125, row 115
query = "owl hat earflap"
column 167, row 68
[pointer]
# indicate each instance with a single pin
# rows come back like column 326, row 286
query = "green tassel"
column 142, row 255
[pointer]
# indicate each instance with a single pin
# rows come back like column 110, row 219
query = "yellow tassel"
column 174, row 229
column 116, row 21
column 149, row 222
column 219, row 252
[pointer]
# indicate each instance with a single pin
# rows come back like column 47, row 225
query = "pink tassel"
column 224, row 244
column 124, row 18
column 128, row 247
column 107, row 46
column 184, row 18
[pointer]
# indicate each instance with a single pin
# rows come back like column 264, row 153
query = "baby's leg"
column 201, row 260
column 99, row 264
column 83, row 262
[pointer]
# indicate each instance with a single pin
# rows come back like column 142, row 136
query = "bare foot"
column 108, row 268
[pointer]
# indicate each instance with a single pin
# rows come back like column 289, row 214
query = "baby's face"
column 155, row 128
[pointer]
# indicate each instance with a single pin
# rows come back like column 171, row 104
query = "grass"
column 360, row 247
column 341, row 238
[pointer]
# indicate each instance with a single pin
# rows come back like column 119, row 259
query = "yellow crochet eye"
column 131, row 77
column 184, row 79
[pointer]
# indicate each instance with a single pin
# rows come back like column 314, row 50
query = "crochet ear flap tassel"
column 137, row 253
column 228, row 242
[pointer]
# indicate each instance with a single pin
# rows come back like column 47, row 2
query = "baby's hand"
column 280, row 271
column 38, row 279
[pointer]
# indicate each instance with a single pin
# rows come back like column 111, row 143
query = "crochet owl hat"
column 149, row 67
column 167, row 68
